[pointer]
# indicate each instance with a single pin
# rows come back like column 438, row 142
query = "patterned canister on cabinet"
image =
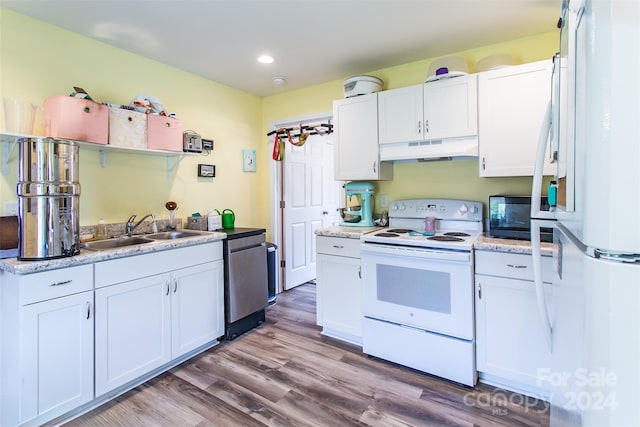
column 127, row 128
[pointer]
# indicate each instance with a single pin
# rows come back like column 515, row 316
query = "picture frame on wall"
column 248, row 160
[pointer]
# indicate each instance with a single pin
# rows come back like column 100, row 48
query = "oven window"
column 411, row 287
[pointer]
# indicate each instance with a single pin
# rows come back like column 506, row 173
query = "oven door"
column 427, row 289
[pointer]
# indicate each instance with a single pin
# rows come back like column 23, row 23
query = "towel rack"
column 311, row 129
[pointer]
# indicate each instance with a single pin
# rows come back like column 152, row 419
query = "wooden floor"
column 285, row 373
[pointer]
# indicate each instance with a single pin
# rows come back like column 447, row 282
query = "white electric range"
column 418, row 287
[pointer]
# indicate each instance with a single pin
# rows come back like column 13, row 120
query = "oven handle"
column 422, row 253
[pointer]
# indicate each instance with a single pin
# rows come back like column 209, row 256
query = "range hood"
column 431, row 150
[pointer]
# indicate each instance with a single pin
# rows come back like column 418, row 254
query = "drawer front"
column 55, row 283
column 340, row 246
column 515, row 266
column 135, row 267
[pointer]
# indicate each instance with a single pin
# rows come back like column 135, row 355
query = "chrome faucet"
column 131, row 226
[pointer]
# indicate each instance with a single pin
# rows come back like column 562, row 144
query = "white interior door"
column 310, row 200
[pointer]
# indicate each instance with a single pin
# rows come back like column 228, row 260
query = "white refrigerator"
column 592, row 133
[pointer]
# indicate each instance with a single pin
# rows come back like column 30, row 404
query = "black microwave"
column 510, row 217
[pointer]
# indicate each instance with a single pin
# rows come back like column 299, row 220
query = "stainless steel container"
column 48, row 198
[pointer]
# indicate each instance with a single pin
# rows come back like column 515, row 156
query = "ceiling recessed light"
column 265, row 59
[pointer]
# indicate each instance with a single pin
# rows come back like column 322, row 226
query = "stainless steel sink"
column 171, row 235
column 120, row 242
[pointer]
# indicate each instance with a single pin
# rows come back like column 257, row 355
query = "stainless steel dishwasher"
column 245, row 280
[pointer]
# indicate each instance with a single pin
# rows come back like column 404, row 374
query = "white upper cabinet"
column 436, row 110
column 451, row 107
column 356, row 140
column 400, row 114
column 512, row 102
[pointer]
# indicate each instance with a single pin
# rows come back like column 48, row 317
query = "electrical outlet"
column 384, row 202
column 10, row 209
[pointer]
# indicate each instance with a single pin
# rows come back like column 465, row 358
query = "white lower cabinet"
column 47, row 344
column 133, row 330
column 339, row 288
column 150, row 311
column 144, row 323
column 510, row 345
column 197, row 315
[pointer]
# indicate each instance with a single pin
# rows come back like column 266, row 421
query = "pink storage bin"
column 78, row 119
column 164, row 133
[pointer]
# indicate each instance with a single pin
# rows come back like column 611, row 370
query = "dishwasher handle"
column 247, row 242
column 244, row 248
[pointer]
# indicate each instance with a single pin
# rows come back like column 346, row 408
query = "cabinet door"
column 512, row 102
column 400, row 115
column 57, row 356
column 451, row 107
column 510, row 343
column 197, row 306
column 133, row 330
column 339, row 297
column 356, row 155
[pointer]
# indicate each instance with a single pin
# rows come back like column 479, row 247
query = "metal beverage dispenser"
column 360, row 215
column 48, row 195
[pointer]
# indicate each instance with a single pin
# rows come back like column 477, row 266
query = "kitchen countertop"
column 482, row 243
column 12, row 265
column 348, row 232
column 485, row 243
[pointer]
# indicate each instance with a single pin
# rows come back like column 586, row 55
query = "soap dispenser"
column 101, row 230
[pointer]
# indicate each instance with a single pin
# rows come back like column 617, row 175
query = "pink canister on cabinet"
column 77, row 119
column 164, row 133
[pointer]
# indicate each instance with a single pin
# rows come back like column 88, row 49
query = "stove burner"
column 387, row 234
column 446, row 239
column 456, row 233
column 398, row 230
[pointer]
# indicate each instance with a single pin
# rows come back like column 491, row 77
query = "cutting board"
column 8, row 232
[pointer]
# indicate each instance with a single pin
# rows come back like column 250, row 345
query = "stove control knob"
column 394, row 206
column 402, row 207
column 473, row 209
column 463, row 209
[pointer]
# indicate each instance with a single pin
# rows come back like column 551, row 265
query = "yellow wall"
column 38, row 60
